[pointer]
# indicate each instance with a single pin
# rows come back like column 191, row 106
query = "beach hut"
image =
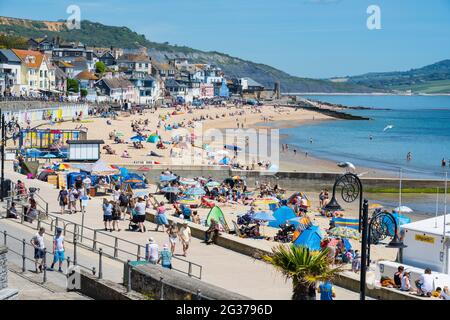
column 310, row 238
column 217, row 214
column 282, row 215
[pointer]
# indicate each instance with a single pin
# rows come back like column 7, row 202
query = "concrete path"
column 221, row 267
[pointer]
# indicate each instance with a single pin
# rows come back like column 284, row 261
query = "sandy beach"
column 263, row 119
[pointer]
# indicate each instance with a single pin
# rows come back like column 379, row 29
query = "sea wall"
column 3, row 268
column 290, row 180
column 103, row 289
column 157, row 283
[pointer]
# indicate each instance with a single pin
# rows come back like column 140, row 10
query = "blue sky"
column 309, row 38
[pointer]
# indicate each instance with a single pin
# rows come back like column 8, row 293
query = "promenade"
column 224, row 268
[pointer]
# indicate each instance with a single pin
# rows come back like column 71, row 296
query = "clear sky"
column 309, row 38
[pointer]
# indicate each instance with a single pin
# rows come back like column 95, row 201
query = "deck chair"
column 237, row 230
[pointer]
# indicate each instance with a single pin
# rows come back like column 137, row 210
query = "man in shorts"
column 58, row 249
column 39, row 250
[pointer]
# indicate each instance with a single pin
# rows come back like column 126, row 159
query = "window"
column 31, row 83
column 40, row 73
column 45, row 73
column 40, row 84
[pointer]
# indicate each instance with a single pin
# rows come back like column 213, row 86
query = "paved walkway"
column 222, row 267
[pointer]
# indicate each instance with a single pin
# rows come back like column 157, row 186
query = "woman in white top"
column 406, row 281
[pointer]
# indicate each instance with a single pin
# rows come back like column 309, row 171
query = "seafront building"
column 125, row 75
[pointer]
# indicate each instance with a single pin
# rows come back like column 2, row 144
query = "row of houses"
column 130, row 75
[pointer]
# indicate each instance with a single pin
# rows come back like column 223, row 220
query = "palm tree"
column 303, row 266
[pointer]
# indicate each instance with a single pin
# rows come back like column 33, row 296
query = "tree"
column 83, row 92
column 100, row 67
column 73, row 86
column 303, row 266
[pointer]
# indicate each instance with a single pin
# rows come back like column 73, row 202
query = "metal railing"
column 47, row 253
column 91, row 239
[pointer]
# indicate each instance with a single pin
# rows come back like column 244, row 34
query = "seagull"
column 348, row 165
column 388, row 127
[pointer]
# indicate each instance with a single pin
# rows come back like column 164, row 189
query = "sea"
column 419, row 125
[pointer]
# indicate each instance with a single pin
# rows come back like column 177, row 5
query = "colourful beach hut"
column 281, row 215
column 310, row 238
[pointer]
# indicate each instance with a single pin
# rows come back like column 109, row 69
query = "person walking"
column 39, row 249
column 63, row 199
column 58, row 250
column 115, row 215
column 172, row 231
column 139, row 208
column 165, row 257
column 161, row 219
column 73, row 197
column 152, row 251
column 185, row 236
column 107, row 214
column 326, row 291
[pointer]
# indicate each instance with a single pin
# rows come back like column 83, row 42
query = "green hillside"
column 97, row 34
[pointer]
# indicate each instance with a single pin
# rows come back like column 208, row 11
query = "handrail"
column 116, row 249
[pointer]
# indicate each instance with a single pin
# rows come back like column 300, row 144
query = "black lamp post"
column 351, row 188
column 367, row 230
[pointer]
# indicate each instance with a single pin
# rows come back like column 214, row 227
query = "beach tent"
column 153, row 138
column 400, row 219
column 224, row 161
column 345, row 222
column 281, row 215
column 310, row 238
column 217, row 214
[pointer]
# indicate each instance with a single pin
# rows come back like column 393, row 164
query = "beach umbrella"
column 164, row 178
column 188, row 201
column 132, row 180
column 143, row 169
column 187, row 181
column 170, row 190
column 343, row 232
column 202, row 179
column 403, row 209
column 264, row 216
column 137, row 139
column 195, row 192
column 375, row 206
column 269, row 200
column 213, row 184
column 302, row 222
column 236, row 178
column 141, row 193
column 101, row 168
column 63, row 166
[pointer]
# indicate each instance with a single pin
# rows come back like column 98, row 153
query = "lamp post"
column 367, row 231
column 351, row 188
column 2, row 178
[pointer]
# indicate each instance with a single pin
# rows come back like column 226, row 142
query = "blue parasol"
column 164, row 178
column 264, row 216
column 170, row 190
column 195, row 192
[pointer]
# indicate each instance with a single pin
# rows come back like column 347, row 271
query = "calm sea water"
column 421, row 125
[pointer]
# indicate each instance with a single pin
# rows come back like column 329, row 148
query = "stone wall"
column 146, row 279
column 3, row 268
column 103, row 289
column 289, row 180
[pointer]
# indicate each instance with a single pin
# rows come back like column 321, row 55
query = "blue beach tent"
column 400, row 219
column 282, row 214
column 310, row 238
